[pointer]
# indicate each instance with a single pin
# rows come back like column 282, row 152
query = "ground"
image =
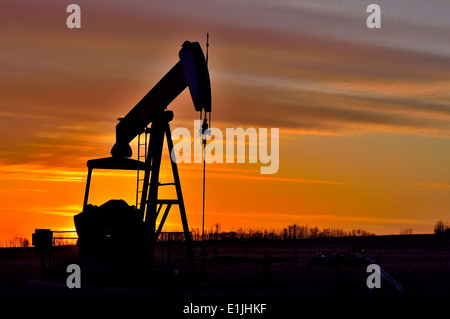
column 275, row 273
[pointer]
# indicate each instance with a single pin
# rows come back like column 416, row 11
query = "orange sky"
column 364, row 115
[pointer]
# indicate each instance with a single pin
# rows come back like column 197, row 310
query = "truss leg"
column 150, row 201
column 176, row 177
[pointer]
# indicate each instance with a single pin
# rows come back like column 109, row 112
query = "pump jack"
column 116, row 236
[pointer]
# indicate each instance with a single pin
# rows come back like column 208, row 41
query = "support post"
column 176, row 176
column 88, row 185
column 150, row 201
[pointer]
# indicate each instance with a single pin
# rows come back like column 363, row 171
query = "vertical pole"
column 137, row 172
column 204, row 128
column 148, row 165
column 86, row 193
column 204, row 170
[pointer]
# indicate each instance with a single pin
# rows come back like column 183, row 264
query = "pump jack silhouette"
column 116, row 236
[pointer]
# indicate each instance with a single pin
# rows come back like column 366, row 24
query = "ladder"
column 141, row 156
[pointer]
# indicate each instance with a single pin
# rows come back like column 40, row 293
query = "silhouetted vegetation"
column 406, row 231
column 17, row 241
column 441, row 228
column 291, row 232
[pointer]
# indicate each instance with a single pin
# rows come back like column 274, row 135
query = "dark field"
column 270, row 272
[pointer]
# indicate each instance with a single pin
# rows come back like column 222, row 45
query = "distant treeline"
column 16, row 241
column 291, row 232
